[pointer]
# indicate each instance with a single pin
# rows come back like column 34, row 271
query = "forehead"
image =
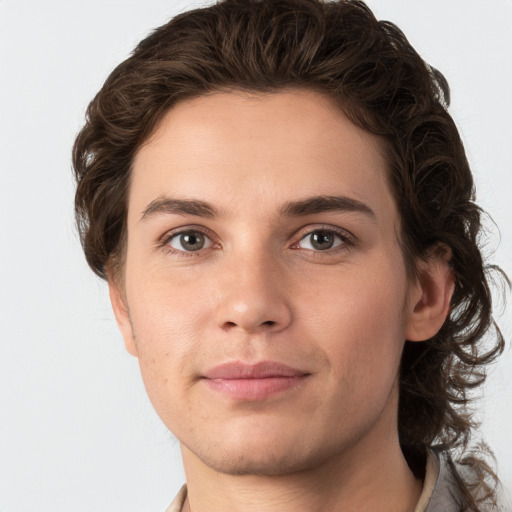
column 255, row 151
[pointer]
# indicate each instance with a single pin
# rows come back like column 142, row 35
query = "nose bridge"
column 253, row 295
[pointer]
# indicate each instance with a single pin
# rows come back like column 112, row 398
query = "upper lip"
column 261, row 370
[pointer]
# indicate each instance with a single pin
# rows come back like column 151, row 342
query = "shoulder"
column 447, row 494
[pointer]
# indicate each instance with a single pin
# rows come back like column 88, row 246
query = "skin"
column 260, row 290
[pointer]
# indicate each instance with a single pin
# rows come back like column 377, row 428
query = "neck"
column 371, row 475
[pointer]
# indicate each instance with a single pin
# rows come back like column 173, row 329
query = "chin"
column 274, row 460
column 246, row 465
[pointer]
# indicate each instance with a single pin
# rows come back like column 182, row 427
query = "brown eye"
column 189, row 241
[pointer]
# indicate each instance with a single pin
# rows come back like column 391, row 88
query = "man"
column 284, row 213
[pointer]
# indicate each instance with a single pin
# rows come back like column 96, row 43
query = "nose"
column 253, row 295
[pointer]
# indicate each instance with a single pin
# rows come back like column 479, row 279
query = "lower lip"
column 254, row 389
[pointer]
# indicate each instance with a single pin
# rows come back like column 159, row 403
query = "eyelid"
column 346, row 236
column 164, row 240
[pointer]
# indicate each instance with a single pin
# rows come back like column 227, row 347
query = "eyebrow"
column 308, row 206
column 321, row 204
column 179, row 206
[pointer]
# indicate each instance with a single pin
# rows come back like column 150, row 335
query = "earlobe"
column 430, row 297
column 121, row 313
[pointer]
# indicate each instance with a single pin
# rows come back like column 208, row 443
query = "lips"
column 254, row 382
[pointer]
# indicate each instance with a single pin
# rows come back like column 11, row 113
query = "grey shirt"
column 437, row 495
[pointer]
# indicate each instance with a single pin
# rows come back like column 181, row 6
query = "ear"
column 119, row 305
column 430, row 296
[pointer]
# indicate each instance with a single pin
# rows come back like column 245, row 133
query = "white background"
column 76, row 430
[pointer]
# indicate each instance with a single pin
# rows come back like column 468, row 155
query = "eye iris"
column 192, row 241
column 322, row 240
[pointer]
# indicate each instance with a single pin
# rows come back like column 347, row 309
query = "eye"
column 322, row 240
column 189, row 241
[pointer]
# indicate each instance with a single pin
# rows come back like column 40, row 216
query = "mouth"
column 253, row 382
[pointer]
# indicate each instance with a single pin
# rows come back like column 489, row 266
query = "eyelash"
column 166, row 239
column 347, row 240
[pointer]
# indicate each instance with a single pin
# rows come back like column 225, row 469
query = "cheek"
column 166, row 315
column 359, row 321
column 166, row 307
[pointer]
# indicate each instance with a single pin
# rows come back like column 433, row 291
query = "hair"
column 371, row 72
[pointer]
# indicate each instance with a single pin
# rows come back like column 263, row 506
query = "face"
column 265, row 288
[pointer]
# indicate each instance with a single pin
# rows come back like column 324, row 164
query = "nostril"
column 269, row 322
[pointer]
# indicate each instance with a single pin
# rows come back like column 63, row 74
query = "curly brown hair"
column 379, row 81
